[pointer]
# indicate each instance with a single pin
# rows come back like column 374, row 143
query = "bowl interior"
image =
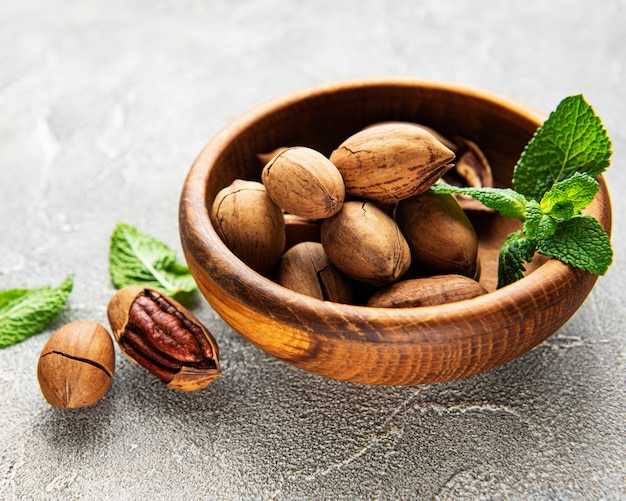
column 324, row 117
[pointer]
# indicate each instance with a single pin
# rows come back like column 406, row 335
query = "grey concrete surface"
column 103, row 107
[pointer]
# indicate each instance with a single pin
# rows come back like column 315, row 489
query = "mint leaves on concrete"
column 26, row 312
column 137, row 258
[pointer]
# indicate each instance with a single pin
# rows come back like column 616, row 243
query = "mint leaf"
column 516, row 250
column 547, row 227
column 533, row 217
column 580, row 241
column 567, row 198
column 137, row 258
column 572, row 139
column 504, row 200
column 25, row 312
column 537, row 224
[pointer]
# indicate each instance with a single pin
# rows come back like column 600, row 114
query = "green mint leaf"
column 567, row 198
column 572, row 139
column 26, row 312
column 537, row 224
column 516, row 251
column 532, row 219
column 580, row 241
column 505, row 200
column 547, row 227
column 137, row 258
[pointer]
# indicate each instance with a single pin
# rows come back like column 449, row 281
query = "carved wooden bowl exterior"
column 377, row 345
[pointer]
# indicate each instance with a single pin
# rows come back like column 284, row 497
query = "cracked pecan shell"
column 161, row 335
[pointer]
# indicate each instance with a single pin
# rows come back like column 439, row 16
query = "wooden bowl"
column 379, row 345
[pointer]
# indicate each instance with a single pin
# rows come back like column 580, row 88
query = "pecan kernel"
column 159, row 334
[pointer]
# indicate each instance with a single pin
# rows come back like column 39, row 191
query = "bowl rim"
column 549, row 276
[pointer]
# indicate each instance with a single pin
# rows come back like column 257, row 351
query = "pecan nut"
column 389, row 162
column 161, row 335
column 366, row 244
column 305, row 268
column 427, row 291
column 76, row 365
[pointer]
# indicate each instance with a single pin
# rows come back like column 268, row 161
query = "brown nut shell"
column 76, row 365
column 161, row 335
column 366, row 244
column 267, row 156
column 427, row 291
column 441, row 237
column 390, row 162
column 304, row 182
column 471, row 168
column 305, row 268
column 299, row 229
column 440, row 137
column 250, row 224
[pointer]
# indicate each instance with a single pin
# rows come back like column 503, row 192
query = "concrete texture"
column 103, row 107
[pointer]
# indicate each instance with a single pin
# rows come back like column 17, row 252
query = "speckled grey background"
column 103, row 107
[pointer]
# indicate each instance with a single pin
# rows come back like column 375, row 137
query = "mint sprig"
column 26, row 312
column 553, row 181
column 138, row 258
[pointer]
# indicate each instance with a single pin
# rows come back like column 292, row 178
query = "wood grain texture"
column 377, row 345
